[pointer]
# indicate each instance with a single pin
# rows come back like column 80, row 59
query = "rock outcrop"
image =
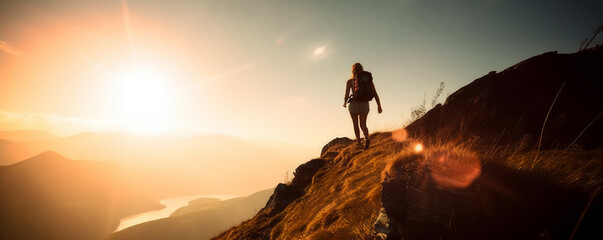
column 284, row 194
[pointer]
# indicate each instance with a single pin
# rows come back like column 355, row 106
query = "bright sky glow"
column 240, row 68
column 143, row 100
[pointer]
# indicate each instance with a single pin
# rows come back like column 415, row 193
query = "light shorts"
column 359, row 107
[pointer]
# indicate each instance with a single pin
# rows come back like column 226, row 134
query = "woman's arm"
column 376, row 98
column 347, row 93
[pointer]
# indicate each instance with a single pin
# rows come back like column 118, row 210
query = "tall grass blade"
column 545, row 119
column 584, row 213
column 591, row 122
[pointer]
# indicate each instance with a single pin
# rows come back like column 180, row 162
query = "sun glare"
column 144, row 100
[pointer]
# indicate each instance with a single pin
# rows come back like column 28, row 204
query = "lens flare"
column 454, row 168
column 400, row 135
column 320, row 50
column 419, row 147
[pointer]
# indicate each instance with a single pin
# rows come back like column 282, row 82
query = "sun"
column 143, row 100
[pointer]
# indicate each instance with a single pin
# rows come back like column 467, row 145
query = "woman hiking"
column 363, row 91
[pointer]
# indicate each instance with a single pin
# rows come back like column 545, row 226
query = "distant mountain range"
column 51, row 196
column 26, row 135
column 197, row 161
column 44, row 194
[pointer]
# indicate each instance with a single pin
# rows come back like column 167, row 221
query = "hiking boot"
column 367, row 144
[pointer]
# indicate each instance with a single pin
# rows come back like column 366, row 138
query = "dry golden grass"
column 345, row 196
column 574, row 168
column 342, row 202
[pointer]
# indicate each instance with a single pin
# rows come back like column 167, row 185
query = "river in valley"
column 171, row 204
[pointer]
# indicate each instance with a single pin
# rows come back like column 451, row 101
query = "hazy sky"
column 273, row 70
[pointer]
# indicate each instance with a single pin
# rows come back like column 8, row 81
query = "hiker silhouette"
column 363, row 91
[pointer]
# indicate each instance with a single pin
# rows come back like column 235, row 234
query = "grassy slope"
column 342, row 200
column 511, row 198
column 508, row 199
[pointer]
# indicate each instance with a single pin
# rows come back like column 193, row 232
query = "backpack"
column 362, row 87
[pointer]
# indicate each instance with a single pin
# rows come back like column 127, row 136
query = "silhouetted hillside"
column 52, row 197
column 201, row 219
column 480, row 175
column 502, row 108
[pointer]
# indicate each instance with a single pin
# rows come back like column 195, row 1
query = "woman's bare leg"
column 365, row 130
column 367, row 141
column 356, row 128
